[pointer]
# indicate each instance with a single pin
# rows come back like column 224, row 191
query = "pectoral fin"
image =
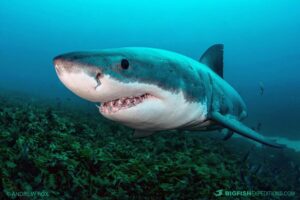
column 228, row 134
column 241, row 129
column 142, row 133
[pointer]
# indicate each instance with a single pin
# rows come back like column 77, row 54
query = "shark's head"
column 139, row 87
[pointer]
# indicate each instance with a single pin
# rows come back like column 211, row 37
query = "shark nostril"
column 57, row 60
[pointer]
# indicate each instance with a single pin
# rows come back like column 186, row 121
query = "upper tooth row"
column 126, row 100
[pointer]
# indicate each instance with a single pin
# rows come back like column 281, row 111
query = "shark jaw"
column 137, row 105
column 116, row 105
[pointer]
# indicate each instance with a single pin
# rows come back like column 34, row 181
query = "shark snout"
column 80, row 78
column 66, row 64
column 63, row 65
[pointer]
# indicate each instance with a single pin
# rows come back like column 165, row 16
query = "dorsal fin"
column 213, row 58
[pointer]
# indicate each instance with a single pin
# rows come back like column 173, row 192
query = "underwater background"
column 57, row 145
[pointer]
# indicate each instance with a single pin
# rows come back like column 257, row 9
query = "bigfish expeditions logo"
column 218, row 193
column 251, row 193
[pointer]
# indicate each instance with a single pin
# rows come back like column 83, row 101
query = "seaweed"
column 75, row 155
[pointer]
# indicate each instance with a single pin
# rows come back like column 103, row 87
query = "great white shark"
column 151, row 90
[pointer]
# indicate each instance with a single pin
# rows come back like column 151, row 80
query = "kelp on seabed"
column 66, row 152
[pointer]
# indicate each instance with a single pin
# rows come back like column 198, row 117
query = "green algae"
column 75, row 155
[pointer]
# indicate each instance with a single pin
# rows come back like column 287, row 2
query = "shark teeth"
column 122, row 103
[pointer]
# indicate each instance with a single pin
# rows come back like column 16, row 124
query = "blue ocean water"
column 261, row 38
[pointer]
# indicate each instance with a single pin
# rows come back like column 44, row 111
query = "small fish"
column 261, row 88
column 258, row 127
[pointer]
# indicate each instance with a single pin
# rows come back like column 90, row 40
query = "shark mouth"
column 114, row 106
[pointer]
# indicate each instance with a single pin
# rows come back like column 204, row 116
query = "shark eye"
column 124, row 64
